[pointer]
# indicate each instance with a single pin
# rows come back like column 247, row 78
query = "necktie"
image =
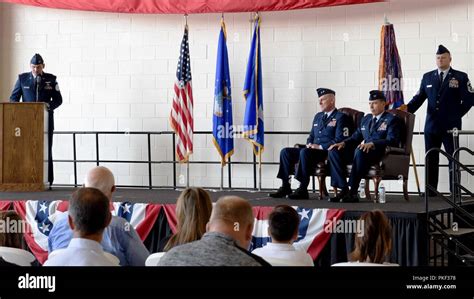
column 325, row 117
column 441, row 74
column 36, row 89
column 372, row 124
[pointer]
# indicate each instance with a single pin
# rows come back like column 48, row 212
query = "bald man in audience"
column 119, row 238
column 226, row 241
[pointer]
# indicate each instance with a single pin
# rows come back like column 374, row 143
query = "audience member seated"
column 226, row 241
column 109, row 256
column 120, row 238
column 89, row 214
column 373, row 246
column 283, row 226
column 11, row 242
column 193, row 210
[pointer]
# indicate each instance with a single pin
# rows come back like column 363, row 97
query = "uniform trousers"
column 361, row 163
column 434, row 140
column 307, row 160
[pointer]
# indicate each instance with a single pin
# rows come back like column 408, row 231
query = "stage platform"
column 394, row 203
column 407, row 218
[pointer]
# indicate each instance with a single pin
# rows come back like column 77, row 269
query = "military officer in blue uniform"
column 329, row 127
column 377, row 130
column 38, row 86
column 450, row 96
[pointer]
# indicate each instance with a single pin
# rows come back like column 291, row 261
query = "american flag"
column 181, row 117
column 40, row 216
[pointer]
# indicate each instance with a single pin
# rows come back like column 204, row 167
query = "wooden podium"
column 23, row 146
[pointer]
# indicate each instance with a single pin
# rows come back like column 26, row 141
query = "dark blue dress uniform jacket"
column 336, row 128
column 386, row 132
column 25, row 87
column 446, row 103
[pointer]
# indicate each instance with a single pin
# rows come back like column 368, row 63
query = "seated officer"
column 329, row 127
column 376, row 131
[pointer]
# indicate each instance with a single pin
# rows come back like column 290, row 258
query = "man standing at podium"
column 38, row 86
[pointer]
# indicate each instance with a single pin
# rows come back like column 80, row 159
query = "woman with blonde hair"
column 193, row 210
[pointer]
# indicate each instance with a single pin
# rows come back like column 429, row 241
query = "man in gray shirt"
column 225, row 243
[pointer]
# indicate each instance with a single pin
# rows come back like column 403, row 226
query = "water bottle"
column 381, row 193
column 361, row 190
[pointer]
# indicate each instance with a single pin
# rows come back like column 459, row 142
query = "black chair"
column 395, row 164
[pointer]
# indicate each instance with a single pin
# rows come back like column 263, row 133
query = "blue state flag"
column 222, row 123
column 253, row 118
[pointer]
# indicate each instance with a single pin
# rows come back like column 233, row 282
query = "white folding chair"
column 153, row 259
column 363, row 264
column 17, row 256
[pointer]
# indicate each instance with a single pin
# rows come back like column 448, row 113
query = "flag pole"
column 416, row 172
column 187, row 173
column 222, row 177
column 257, row 15
column 187, row 160
column 260, row 170
column 222, row 164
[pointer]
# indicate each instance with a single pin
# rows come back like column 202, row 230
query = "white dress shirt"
column 377, row 117
column 445, row 73
column 81, row 252
column 329, row 113
column 283, row 255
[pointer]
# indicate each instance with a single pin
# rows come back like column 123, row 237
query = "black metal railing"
column 439, row 230
column 151, row 162
column 457, row 187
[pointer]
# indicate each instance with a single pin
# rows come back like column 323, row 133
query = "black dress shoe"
column 281, row 192
column 299, row 194
column 341, row 195
column 350, row 198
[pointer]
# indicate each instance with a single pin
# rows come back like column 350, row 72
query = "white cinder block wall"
column 116, row 73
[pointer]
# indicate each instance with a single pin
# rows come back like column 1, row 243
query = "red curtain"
column 185, row 6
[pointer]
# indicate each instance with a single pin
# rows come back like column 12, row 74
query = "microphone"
column 38, row 82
